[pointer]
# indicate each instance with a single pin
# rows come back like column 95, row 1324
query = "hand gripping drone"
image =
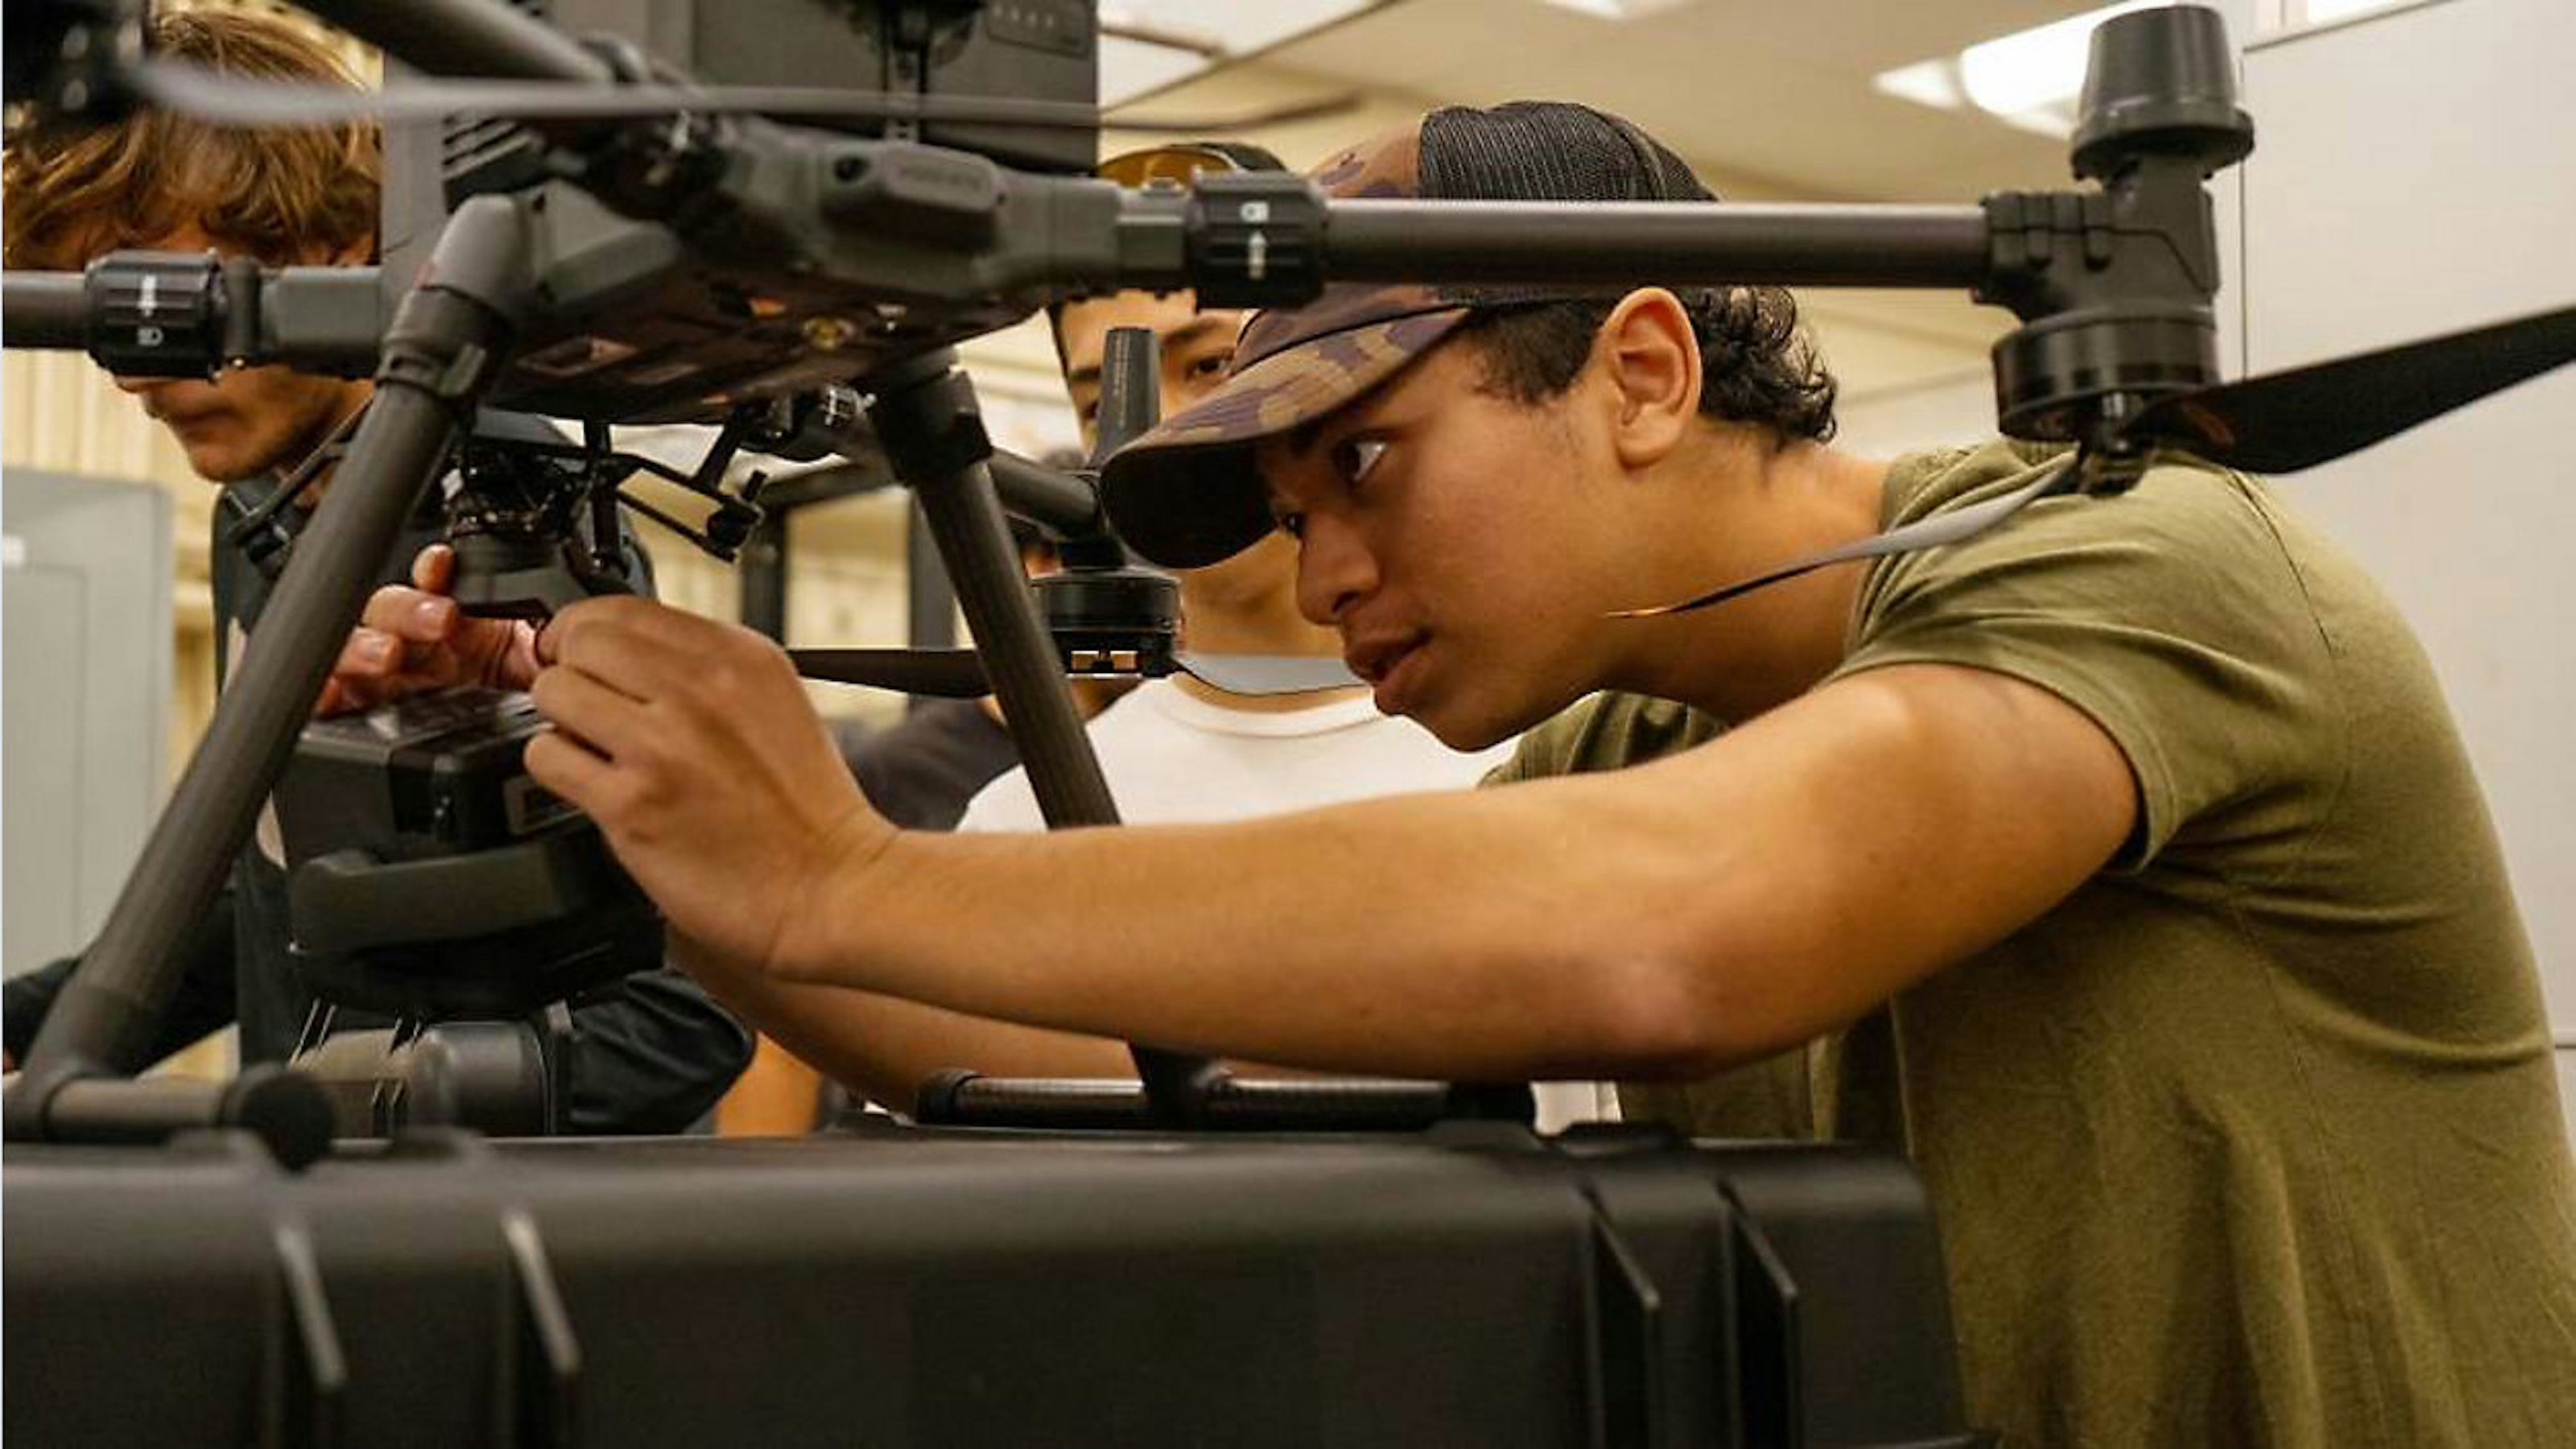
column 689, row 253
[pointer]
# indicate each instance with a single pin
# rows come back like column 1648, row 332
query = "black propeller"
column 2280, row 422
column 192, row 89
column 959, row 673
column 2284, row 421
column 947, row 673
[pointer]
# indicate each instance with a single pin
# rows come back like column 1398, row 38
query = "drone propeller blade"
column 1268, row 673
column 2282, row 422
column 952, row 673
column 190, row 88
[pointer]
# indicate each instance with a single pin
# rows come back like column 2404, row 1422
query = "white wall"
column 2412, row 175
column 1952, row 408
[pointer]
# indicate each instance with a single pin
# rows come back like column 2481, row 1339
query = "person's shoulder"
column 1607, row 732
column 2176, row 493
column 2185, row 530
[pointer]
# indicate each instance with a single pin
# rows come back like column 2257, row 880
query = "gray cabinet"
column 87, row 700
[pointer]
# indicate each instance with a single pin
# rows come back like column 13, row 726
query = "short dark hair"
column 76, row 187
column 1759, row 365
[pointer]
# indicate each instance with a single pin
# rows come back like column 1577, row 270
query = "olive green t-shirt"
column 2254, row 1138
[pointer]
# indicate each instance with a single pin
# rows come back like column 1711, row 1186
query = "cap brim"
column 1186, row 495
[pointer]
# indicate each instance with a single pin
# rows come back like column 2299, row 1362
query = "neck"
column 1751, row 654
column 1263, row 621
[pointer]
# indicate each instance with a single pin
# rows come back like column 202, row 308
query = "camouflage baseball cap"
column 1185, row 494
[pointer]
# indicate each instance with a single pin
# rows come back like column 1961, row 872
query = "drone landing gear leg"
column 441, row 352
column 925, row 417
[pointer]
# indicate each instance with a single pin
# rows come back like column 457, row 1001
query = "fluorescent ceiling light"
column 1132, row 67
column 2318, row 12
column 1927, row 83
column 1617, row 9
column 2030, row 78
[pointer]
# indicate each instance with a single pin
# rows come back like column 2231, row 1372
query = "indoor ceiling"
column 1775, row 98
column 1769, row 100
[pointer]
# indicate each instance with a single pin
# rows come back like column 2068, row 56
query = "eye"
column 1291, row 524
column 1353, row 458
column 1213, row 364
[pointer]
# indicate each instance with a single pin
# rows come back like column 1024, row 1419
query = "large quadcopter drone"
column 662, row 251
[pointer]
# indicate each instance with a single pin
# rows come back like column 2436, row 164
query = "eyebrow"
column 1194, row 330
column 1365, row 413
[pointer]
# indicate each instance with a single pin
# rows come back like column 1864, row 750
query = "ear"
column 1650, row 361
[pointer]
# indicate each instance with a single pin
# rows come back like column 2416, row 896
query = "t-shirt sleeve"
column 1009, row 803
column 2171, row 615
column 921, row 772
column 1605, row 732
column 1543, row 751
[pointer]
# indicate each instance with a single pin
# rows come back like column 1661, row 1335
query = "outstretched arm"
column 1660, row 921
column 887, row 1047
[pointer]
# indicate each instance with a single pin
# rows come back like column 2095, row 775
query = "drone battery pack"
column 434, row 774
column 430, row 877
column 898, row 1286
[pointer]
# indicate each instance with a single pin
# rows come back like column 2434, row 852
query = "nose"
column 1335, row 569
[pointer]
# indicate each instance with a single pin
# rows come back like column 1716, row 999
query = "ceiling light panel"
column 1617, row 9
column 1199, row 35
column 2030, row 78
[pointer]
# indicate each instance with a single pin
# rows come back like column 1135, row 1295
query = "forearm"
column 204, row 1001
column 1482, row 937
column 653, row 1057
column 27, row 1000
column 886, row 1047
column 1672, row 918
column 1520, row 933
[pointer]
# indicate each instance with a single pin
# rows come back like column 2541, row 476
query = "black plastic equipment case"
column 897, row 1286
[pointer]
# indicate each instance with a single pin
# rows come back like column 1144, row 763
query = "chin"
column 1468, row 725
column 225, row 471
column 1459, row 730
column 218, row 463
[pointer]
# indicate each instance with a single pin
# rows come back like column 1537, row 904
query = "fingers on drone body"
column 414, row 639
column 690, row 742
column 693, row 746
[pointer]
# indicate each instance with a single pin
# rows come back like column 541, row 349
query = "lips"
column 182, row 417
column 1372, row 658
column 1378, row 658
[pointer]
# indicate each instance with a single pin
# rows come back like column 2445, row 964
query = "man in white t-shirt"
column 1177, row 750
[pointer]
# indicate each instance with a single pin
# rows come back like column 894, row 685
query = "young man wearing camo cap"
column 2120, row 863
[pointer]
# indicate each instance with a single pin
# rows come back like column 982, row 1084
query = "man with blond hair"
column 652, row 1059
